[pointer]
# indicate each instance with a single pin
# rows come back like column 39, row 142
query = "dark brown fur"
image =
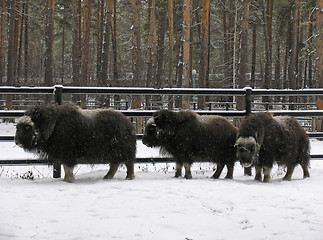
column 263, row 139
column 70, row 135
column 191, row 138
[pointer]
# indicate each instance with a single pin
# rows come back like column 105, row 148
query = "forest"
column 162, row 43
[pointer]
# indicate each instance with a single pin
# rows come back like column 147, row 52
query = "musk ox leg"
column 69, row 177
column 112, row 171
column 179, row 167
column 306, row 173
column 130, row 170
column 219, row 168
column 258, row 175
column 289, row 173
column 230, row 172
column 188, row 174
column 267, row 171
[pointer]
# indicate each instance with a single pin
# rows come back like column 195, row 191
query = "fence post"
column 248, row 100
column 58, row 91
column 58, row 94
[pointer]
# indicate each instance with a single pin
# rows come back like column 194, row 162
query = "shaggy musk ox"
column 193, row 138
column 70, row 135
column 263, row 139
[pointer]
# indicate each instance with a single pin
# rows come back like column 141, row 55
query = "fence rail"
column 58, row 91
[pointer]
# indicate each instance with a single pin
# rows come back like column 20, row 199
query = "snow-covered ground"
column 157, row 206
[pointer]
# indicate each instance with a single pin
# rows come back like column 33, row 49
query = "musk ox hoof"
column 177, row 175
column 188, row 176
column 306, row 176
column 258, row 178
column 287, row 178
column 131, row 177
column 69, row 179
column 108, row 176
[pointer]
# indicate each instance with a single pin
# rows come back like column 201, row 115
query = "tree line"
column 158, row 43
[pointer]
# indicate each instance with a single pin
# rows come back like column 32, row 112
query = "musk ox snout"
column 247, row 151
column 26, row 136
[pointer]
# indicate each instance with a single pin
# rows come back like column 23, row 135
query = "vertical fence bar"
column 58, row 91
column 248, row 100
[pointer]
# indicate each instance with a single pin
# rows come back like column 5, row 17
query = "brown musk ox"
column 263, row 139
column 69, row 135
column 190, row 138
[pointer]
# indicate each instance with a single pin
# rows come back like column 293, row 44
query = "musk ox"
column 190, row 138
column 263, row 139
column 70, row 135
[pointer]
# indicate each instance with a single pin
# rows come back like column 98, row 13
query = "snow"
column 157, row 206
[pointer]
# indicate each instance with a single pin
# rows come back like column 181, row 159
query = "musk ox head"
column 163, row 126
column 247, row 150
column 26, row 135
column 34, row 128
column 150, row 137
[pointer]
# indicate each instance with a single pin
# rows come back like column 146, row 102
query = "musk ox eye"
column 27, row 127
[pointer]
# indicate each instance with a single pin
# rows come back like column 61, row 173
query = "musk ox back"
column 263, row 139
column 70, row 135
column 190, row 138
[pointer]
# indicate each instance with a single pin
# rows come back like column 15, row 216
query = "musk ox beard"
column 190, row 138
column 70, row 135
column 263, row 139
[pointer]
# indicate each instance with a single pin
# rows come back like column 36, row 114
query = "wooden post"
column 58, row 100
column 248, row 100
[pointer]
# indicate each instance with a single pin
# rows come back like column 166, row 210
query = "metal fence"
column 58, row 91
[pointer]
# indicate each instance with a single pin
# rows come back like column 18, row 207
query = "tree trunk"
column 160, row 45
column 76, row 46
column 136, row 55
column 100, row 19
column 319, row 42
column 319, row 39
column 114, row 44
column 277, row 66
column 234, row 53
column 178, row 49
column 231, row 41
column 204, row 50
column 267, row 40
column 253, row 56
column 26, row 45
column 20, row 41
column 149, row 53
column 11, row 48
column 63, row 44
column 187, row 9
column 16, row 38
column 11, row 51
column 49, row 42
column 2, row 38
column 86, row 41
column 106, row 44
column 244, row 53
column 86, row 47
column 309, row 42
column 285, row 82
column 155, row 41
column 293, row 57
column 226, row 52
column 171, row 49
